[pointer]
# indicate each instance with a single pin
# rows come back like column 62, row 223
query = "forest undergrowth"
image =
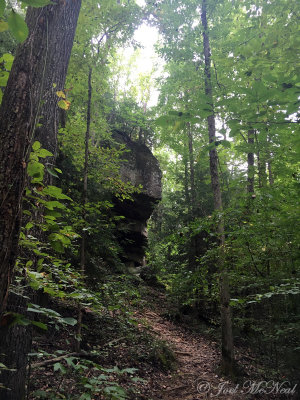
column 144, row 356
column 222, row 240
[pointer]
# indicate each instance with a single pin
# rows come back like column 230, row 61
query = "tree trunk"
column 250, row 179
column 38, row 71
column 192, row 169
column 186, row 185
column 226, row 323
column 29, row 111
column 262, row 175
column 13, row 341
column 261, row 165
column 269, row 165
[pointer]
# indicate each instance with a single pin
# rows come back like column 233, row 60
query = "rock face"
column 140, row 168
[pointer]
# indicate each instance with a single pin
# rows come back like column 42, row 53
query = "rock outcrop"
column 140, row 168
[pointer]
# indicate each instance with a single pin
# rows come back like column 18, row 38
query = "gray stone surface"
column 140, row 168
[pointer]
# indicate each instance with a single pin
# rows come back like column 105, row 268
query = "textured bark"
column 29, row 111
column 13, row 341
column 30, row 97
column 226, row 322
column 250, row 179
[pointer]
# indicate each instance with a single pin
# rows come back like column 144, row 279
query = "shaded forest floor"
column 195, row 375
column 168, row 360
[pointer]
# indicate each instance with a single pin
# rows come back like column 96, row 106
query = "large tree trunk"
column 38, row 72
column 15, row 343
column 226, row 323
column 29, row 111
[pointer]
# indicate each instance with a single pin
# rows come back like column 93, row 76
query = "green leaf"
column 7, row 57
column 30, row 309
column 69, row 321
column 41, row 394
column 44, row 153
column 137, row 379
column 226, row 143
column 18, row 26
column 51, row 172
column 20, row 319
column 103, row 377
column 115, row 391
column 40, row 325
column 129, row 370
column 59, row 367
column 69, row 361
column 28, row 226
column 56, row 192
column 64, row 104
column 50, row 205
column 37, row 3
column 2, row 8
column 3, row 26
column 176, row 113
column 35, row 169
column 88, row 386
column 57, row 246
column 52, row 215
column 210, row 146
column 4, row 77
column 36, row 146
column 85, row 396
column 8, row 60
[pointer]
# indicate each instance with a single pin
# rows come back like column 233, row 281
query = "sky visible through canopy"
column 146, row 60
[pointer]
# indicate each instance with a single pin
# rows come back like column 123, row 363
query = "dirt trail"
column 195, row 377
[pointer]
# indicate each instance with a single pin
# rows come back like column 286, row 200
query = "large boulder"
column 141, row 169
